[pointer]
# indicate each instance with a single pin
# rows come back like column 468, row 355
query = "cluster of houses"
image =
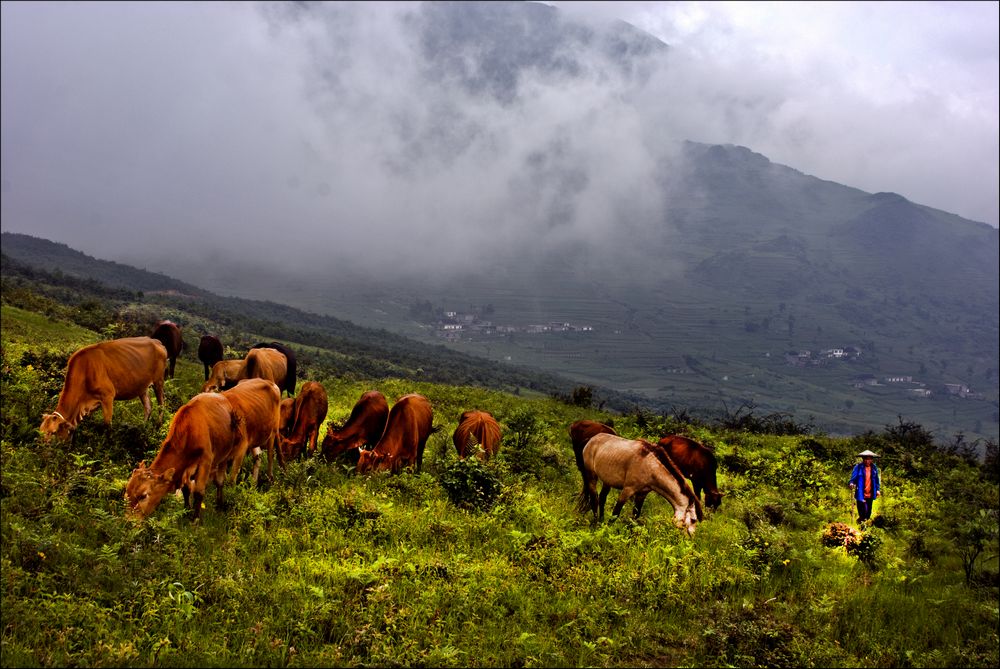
column 817, row 358
column 455, row 325
column 919, row 388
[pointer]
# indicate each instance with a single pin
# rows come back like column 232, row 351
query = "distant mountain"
column 704, row 285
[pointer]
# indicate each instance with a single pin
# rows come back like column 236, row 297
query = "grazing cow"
column 697, row 462
column 225, row 375
column 260, row 363
column 205, row 436
column 406, row 433
column 365, row 426
column 479, row 430
column 99, row 374
column 288, row 384
column 637, row 468
column 580, row 433
column 257, row 403
column 306, row 412
column 210, row 351
column 168, row 334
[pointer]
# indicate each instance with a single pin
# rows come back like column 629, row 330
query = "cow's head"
column 333, row 445
column 55, row 426
column 145, row 489
column 713, row 498
column 287, row 421
column 371, row 461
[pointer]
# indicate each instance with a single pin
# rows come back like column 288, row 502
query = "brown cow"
column 260, row 363
column 479, row 430
column 697, row 462
column 168, row 334
column 99, row 374
column 210, row 351
column 288, row 383
column 406, row 433
column 225, row 375
column 307, row 413
column 257, row 403
column 205, row 436
column 365, row 426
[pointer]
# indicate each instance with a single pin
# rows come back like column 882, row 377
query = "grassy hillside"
column 472, row 565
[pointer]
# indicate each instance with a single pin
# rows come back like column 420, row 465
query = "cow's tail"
column 585, row 500
column 250, row 369
column 661, row 454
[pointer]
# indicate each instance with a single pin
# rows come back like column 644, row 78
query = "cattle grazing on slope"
column 697, row 462
column 288, row 384
column 257, row 402
column 99, row 374
column 204, row 437
column 636, row 467
column 479, row 430
column 210, row 351
column 168, row 334
column 225, row 375
column 306, row 413
column 406, row 432
column 364, row 426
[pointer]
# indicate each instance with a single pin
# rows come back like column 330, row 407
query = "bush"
column 470, row 484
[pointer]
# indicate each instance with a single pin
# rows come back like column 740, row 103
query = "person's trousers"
column 865, row 509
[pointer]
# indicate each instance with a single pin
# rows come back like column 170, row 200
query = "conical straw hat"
column 867, row 454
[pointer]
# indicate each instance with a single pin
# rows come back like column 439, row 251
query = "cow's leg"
column 638, row 500
column 315, row 439
column 220, row 479
column 108, row 406
column 147, row 406
column 605, row 489
column 186, row 491
column 420, row 455
column 158, row 391
column 625, row 495
column 698, row 487
column 173, row 361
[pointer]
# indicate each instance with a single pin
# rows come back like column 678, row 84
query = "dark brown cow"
column 406, row 432
column 205, row 436
column 99, row 374
column 697, row 462
column 580, row 433
column 479, row 430
column 307, row 413
column 168, row 334
column 365, row 426
column 257, row 403
column 210, row 351
column 288, row 383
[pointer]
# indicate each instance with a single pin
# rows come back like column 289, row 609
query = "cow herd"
column 240, row 411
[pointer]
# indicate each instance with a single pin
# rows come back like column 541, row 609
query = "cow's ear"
column 142, row 465
column 167, row 475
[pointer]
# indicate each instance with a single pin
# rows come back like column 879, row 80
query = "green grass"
column 324, row 568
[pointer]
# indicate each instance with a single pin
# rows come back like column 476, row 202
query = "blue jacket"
column 858, row 480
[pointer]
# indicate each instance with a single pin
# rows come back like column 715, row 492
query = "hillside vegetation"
column 468, row 564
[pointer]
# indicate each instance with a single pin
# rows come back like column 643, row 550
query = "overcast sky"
column 132, row 130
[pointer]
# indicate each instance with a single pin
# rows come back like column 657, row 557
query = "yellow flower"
column 785, row 562
column 41, row 555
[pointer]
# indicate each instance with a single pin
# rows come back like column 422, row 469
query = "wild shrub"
column 470, row 484
column 521, row 448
